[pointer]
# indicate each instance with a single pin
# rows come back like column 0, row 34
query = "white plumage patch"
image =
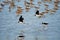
column 21, row 22
column 38, row 15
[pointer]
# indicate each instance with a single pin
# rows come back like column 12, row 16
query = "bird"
column 21, row 19
column 19, row 10
column 20, row 36
column 44, row 23
column 37, row 13
column 2, row 4
column 12, row 4
column 1, row 8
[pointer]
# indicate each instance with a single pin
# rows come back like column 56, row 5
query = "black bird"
column 21, row 19
column 20, row 36
column 45, row 23
column 37, row 12
column 2, row 4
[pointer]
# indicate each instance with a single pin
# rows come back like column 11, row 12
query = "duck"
column 44, row 23
column 46, row 5
column 20, row 36
column 46, row 10
column 19, row 10
column 37, row 7
column 2, row 4
column 1, row 8
column 47, row 0
column 21, row 19
column 6, row 2
column 12, row 4
column 37, row 13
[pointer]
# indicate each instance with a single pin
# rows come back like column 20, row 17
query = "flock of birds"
column 29, row 5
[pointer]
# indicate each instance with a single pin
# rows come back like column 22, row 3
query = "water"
column 10, row 28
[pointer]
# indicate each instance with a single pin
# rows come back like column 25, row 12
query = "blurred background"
column 11, row 10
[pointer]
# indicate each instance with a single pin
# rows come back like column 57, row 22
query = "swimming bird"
column 21, row 19
column 1, row 8
column 44, row 23
column 19, row 10
column 37, row 13
column 2, row 4
column 12, row 4
column 21, row 36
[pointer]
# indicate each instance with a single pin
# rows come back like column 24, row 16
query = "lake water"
column 10, row 28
